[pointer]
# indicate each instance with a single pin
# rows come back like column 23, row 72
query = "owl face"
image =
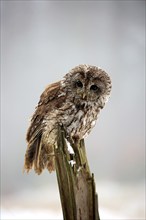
column 88, row 83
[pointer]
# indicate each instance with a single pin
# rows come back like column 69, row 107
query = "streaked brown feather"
column 72, row 102
column 45, row 105
column 34, row 137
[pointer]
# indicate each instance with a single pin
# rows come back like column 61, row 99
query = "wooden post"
column 76, row 183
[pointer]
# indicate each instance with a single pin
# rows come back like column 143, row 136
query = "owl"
column 75, row 103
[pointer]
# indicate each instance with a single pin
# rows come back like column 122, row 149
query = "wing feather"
column 36, row 129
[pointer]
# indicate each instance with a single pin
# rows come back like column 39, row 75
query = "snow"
column 70, row 149
column 116, row 202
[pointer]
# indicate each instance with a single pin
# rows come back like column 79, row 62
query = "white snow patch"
column 70, row 149
column 79, row 169
column 72, row 162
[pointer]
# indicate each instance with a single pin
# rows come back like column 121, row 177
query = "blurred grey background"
column 43, row 40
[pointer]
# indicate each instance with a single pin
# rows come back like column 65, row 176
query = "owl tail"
column 39, row 157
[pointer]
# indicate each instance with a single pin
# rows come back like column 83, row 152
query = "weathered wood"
column 76, row 183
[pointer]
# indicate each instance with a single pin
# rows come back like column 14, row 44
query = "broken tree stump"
column 76, row 183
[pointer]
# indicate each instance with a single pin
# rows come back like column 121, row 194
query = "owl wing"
column 45, row 105
column 49, row 100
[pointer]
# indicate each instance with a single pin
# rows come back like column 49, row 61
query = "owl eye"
column 79, row 84
column 95, row 88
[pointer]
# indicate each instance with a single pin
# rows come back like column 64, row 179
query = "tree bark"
column 76, row 183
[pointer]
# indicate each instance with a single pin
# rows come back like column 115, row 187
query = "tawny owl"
column 75, row 103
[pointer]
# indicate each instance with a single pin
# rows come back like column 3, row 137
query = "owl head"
column 89, row 84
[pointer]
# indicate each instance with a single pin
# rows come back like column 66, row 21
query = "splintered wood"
column 76, row 183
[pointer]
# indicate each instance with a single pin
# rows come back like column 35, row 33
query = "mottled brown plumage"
column 74, row 103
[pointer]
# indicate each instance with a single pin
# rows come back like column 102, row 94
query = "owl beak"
column 84, row 96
